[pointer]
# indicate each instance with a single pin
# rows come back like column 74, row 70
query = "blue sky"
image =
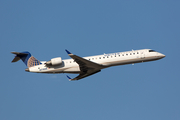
column 46, row 28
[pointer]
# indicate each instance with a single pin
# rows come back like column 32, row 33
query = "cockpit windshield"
column 152, row 51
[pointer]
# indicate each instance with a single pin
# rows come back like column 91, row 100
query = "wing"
column 87, row 67
column 84, row 74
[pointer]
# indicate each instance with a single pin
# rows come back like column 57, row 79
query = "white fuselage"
column 107, row 60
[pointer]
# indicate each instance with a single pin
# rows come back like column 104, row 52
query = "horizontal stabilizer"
column 18, row 53
column 17, row 57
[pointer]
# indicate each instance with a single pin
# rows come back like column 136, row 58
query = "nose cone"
column 27, row 69
column 161, row 55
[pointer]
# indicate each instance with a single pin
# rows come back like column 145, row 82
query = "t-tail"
column 26, row 57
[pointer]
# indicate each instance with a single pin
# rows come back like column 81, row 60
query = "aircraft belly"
column 72, row 70
column 52, row 71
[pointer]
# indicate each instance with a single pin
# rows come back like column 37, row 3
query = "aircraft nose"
column 27, row 69
column 162, row 55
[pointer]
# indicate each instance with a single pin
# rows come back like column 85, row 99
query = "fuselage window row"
column 120, row 54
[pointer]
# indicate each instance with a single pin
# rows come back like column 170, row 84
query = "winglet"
column 69, row 78
column 68, row 52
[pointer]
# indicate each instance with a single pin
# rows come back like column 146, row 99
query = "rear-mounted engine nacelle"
column 54, row 61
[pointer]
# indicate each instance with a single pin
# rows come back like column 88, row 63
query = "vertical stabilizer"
column 26, row 57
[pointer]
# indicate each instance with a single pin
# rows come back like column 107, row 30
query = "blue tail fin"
column 26, row 57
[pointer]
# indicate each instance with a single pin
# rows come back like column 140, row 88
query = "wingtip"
column 69, row 78
column 68, row 52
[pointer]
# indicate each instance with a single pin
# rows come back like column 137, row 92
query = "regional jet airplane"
column 85, row 66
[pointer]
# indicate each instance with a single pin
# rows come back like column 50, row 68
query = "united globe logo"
column 33, row 62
